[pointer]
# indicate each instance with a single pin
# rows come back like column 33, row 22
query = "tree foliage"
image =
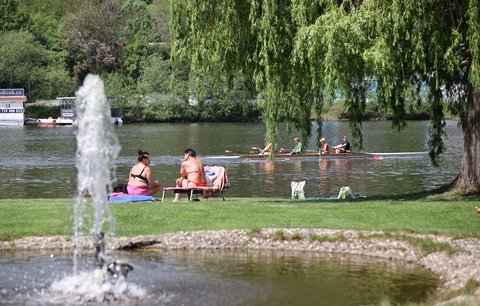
column 25, row 63
column 90, row 34
column 20, row 56
column 126, row 42
column 138, row 32
column 300, row 52
column 55, row 8
column 256, row 38
column 13, row 16
column 156, row 75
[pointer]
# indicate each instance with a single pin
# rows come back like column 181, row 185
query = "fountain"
column 97, row 149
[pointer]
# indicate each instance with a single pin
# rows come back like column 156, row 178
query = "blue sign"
column 12, row 92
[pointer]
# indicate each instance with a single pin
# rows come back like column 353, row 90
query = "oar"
column 256, row 149
column 239, row 153
column 230, row 151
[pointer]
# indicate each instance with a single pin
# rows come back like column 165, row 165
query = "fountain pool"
column 218, row 278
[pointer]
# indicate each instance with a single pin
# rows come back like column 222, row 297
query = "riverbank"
column 453, row 261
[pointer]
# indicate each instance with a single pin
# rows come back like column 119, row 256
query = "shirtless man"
column 267, row 150
column 191, row 171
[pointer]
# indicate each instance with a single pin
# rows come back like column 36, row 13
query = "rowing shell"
column 336, row 155
column 305, row 154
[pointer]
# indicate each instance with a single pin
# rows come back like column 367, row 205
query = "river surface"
column 39, row 162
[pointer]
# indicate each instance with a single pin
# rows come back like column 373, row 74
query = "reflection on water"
column 40, row 162
column 232, row 278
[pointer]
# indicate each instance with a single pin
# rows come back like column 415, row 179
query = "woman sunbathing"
column 191, row 171
column 140, row 179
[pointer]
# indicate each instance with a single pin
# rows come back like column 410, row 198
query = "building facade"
column 12, row 106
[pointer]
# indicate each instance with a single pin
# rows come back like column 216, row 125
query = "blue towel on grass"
column 131, row 198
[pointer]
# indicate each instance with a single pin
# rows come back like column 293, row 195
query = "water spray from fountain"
column 97, row 149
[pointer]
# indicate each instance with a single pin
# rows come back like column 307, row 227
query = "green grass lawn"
column 431, row 214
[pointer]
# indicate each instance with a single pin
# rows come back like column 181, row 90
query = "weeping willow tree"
column 254, row 39
column 299, row 52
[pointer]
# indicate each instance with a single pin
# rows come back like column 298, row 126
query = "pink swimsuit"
column 135, row 190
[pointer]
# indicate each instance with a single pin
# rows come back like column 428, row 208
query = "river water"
column 39, row 162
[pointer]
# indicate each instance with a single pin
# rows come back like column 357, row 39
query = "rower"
column 267, row 150
column 343, row 147
column 298, row 146
column 324, row 148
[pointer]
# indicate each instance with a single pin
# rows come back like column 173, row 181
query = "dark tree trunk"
column 468, row 180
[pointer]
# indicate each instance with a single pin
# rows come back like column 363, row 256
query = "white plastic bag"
column 345, row 193
column 297, row 190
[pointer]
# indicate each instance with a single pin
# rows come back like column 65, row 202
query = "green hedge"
column 37, row 111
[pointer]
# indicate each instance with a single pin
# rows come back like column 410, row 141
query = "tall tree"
column 20, row 58
column 13, row 16
column 138, row 34
column 299, row 51
column 91, row 35
column 25, row 63
column 55, row 8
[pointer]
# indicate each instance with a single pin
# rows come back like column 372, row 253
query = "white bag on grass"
column 345, row 193
column 297, row 190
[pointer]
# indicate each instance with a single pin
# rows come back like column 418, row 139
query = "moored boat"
column 54, row 122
